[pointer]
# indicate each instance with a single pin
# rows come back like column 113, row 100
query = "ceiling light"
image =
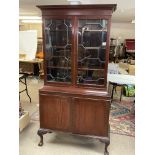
column 29, row 17
column 31, row 21
column 74, row 2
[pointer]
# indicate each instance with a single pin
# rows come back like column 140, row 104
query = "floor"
column 64, row 144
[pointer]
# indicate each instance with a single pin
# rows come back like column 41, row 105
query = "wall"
column 122, row 31
column 27, row 26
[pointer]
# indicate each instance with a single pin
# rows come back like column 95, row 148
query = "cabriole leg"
column 107, row 142
column 106, row 148
column 40, row 133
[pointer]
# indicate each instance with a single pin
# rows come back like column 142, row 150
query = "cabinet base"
column 105, row 140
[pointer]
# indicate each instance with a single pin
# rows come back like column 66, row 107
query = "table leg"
column 113, row 87
column 121, row 93
column 27, row 89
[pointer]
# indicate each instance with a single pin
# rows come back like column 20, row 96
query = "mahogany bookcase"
column 74, row 97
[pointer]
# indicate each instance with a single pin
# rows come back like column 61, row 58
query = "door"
column 58, row 50
column 54, row 112
column 92, row 51
column 91, row 116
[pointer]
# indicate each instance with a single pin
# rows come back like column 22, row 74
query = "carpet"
column 122, row 117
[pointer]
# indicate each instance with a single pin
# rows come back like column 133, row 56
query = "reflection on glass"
column 92, row 37
column 58, row 50
column 90, row 77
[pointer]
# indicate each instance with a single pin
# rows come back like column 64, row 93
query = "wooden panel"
column 76, row 12
column 99, row 9
column 91, row 116
column 54, row 112
column 76, row 91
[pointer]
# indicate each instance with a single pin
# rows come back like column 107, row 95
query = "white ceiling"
column 125, row 12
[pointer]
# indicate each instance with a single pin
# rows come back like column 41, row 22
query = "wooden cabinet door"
column 54, row 112
column 91, row 116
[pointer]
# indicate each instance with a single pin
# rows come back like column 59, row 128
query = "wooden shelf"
column 61, row 30
column 93, row 48
column 93, row 69
column 55, row 46
column 94, row 31
column 58, row 67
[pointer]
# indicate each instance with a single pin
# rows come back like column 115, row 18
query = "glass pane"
column 90, row 77
column 58, row 50
column 92, row 37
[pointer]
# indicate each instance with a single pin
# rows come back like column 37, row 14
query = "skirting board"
column 24, row 120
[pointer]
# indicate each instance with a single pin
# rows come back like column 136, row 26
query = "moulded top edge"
column 86, row 6
column 71, row 90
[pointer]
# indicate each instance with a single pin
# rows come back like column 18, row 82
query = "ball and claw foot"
column 106, row 153
column 106, row 150
column 40, row 133
column 40, row 143
column 107, row 142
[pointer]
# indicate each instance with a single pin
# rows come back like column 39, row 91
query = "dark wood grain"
column 78, row 10
column 105, row 7
column 55, row 112
column 91, row 116
column 75, row 91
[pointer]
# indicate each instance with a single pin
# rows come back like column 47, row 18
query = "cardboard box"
column 24, row 120
column 125, row 66
column 26, row 67
column 22, row 56
column 131, row 69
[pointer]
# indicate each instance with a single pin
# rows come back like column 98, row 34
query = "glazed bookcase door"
column 58, row 45
column 92, row 41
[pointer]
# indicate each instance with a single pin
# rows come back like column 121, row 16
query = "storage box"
column 24, row 120
column 22, row 56
column 124, row 65
column 131, row 69
column 26, row 67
